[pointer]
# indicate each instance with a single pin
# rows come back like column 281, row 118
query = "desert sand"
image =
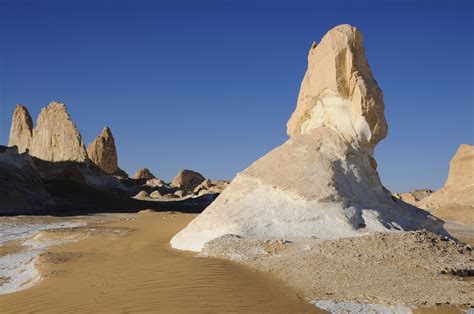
column 128, row 265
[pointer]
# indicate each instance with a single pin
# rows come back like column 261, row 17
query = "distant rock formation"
column 55, row 137
column 143, row 174
column 413, row 197
column 21, row 129
column 103, row 153
column 459, row 187
column 187, row 180
column 209, row 186
column 323, row 181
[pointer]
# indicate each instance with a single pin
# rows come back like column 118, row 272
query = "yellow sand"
column 140, row 272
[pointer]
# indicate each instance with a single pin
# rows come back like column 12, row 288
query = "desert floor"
column 126, row 264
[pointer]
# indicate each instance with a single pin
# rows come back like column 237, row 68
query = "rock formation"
column 55, row 137
column 21, row 129
column 187, row 180
column 459, row 187
column 103, row 153
column 143, row 174
column 413, row 197
column 209, row 186
column 323, row 181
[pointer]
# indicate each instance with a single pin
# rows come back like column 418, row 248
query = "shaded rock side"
column 187, row 180
column 322, row 182
column 56, row 138
column 21, row 130
column 103, row 153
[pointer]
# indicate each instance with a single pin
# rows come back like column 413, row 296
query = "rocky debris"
column 56, row 138
column 21, row 130
column 209, row 186
column 103, row 153
column 143, row 174
column 413, row 197
column 391, row 267
column 187, row 180
column 459, row 187
column 323, row 181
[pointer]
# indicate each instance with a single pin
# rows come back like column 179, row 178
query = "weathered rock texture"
column 55, row 137
column 103, row 153
column 187, row 180
column 322, row 182
column 339, row 90
column 21, row 129
column 459, row 187
column 143, row 174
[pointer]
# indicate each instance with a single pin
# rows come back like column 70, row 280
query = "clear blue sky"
column 209, row 85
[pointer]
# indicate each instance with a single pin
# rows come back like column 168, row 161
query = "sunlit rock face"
column 459, row 187
column 103, row 153
column 21, row 129
column 323, row 181
column 339, row 91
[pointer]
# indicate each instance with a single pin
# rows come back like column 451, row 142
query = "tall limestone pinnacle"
column 339, row 91
column 55, row 137
column 21, row 129
column 103, row 153
column 323, row 181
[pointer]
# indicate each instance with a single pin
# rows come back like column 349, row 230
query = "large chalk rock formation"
column 459, row 187
column 21, row 129
column 103, row 153
column 323, row 181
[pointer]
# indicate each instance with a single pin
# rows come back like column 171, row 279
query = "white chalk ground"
column 18, row 269
column 348, row 307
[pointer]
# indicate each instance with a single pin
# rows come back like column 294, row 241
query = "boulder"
column 155, row 194
column 103, row 153
column 155, row 182
column 142, row 194
column 21, row 129
column 187, row 180
column 143, row 174
column 323, row 181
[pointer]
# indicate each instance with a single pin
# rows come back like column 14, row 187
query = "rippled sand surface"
column 140, row 272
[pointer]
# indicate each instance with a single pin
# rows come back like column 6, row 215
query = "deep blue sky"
column 209, row 85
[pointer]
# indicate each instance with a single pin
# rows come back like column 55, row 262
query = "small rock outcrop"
column 459, row 187
column 21, row 129
column 209, row 186
column 323, row 181
column 143, row 174
column 187, row 180
column 413, row 197
column 103, row 153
